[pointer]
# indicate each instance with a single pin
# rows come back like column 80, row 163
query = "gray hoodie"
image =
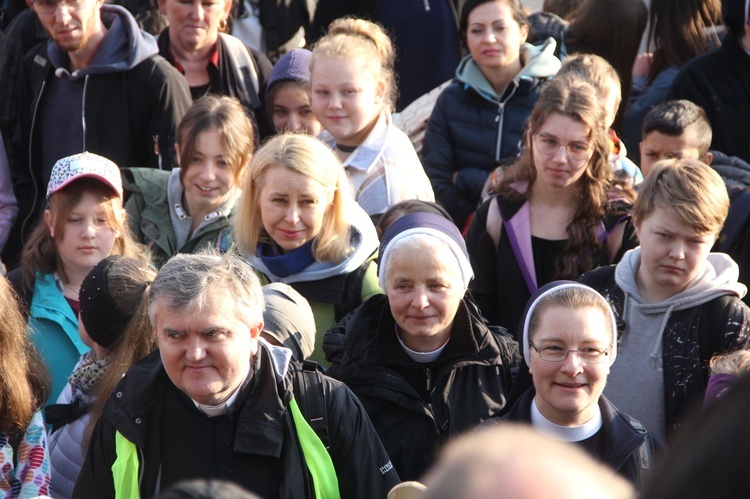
column 636, row 381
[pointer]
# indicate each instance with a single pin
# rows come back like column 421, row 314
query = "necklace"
column 346, row 149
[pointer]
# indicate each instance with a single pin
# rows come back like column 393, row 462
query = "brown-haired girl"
column 190, row 208
column 550, row 217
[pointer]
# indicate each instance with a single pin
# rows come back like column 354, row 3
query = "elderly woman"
column 421, row 358
column 569, row 344
column 214, row 62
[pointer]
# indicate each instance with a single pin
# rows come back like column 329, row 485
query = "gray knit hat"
column 289, row 319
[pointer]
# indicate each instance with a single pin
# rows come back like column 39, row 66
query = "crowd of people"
column 315, row 250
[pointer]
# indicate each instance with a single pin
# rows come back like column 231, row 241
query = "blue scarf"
column 286, row 264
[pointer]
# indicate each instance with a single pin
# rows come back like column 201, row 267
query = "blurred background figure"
column 515, row 462
column 25, row 386
column 710, row 456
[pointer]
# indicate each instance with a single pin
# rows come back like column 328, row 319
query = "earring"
column 223, row 25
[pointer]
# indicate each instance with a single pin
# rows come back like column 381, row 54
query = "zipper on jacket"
column 83, row 111
column 428, row 374
column 31, row 173
column 141, row 468
column 499, row 119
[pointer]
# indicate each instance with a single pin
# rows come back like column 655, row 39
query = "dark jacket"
column 264, row 434
column 241, row 75
column 623, row 438
column 719, row 82
column 465, row 386
column 472, row 129
column 691, row 337
column 498, row 285
column 131, row 117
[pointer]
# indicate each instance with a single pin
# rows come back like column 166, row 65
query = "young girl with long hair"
column 114, row 324
column 84, row 223
column 550, row 218
column 353, row 94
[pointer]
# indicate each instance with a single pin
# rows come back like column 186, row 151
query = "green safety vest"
column 125, row 469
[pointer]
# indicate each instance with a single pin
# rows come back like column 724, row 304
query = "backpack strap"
column 308, row 389
column 494, row 222
column 737, row 218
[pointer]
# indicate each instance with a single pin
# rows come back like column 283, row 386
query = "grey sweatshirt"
column 636, row 381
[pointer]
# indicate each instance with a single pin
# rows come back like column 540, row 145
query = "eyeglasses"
column 548, row 145
column 556, row 353
column 50, row 6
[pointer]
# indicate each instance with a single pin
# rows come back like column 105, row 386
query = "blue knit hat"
column 292, row 66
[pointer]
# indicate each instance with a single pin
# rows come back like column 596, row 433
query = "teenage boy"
column 676, row 303
column 674, row 130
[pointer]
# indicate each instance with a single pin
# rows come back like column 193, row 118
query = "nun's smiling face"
column 424, row 289
column 567, row 391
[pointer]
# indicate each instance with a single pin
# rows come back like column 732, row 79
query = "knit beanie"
column 554, row 287
column 735, row 13
column 103, row 319
column 292, row 66
column 429, row 224
column 288, row 318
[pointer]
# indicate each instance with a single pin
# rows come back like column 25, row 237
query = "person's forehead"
column 684, row 143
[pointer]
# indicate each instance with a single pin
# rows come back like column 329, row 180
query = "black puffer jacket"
column 415, row 407
column 624, row 438
column 472, row 129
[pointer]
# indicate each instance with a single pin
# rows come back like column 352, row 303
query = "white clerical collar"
column 565, row 433
column 223, row 408
column 421, row 357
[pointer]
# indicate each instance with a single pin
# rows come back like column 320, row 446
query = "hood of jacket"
column 123, row 47
column 719, row 278
column 364, row 242
column 539, row 62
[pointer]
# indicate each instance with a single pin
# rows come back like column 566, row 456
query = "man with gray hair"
column 216, row 401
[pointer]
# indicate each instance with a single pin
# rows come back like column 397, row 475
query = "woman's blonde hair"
column 311, row 158
column 40, row 252
column 349, row 38
column 24, row 381
column 578, row 101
